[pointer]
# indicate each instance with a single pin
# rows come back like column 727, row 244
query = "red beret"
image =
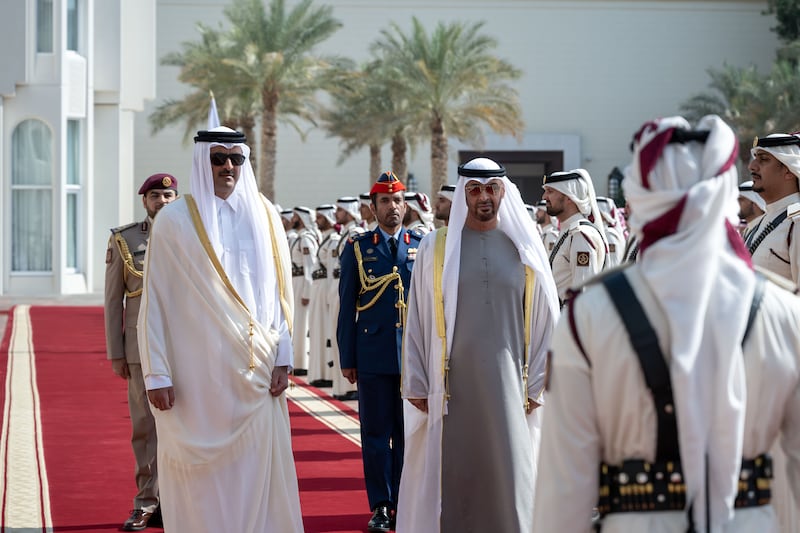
column 387, row 183
column 159, row 181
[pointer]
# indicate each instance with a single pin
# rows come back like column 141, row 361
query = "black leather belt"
column 320, row 273
column 336, row 273
column 297, row 271
column 638, row 486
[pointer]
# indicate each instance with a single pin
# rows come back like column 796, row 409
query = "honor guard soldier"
column 368, row 220
column 418, row 215
column 348, row 218
column 375, row 275
column 444, row 200
column 774, row 243
column 774, row 169
column 320, row 329
column 671, row 379
column 548, row 226
column 751, row 207
column 123, row 289
column 581, row 248
column 304, row 262
column 615, row 235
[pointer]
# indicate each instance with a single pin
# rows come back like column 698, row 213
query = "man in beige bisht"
column 482, row 306
column 214, row 330
column 690, row 444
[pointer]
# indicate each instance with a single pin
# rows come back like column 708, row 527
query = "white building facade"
column 72, row 76
column 76, row 91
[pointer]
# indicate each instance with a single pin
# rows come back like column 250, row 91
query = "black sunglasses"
column 220, row 158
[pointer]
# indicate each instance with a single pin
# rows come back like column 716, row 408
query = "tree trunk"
column 248, row 127
column 438, row 156
column 269, row 143
column 399, row 148
column 374, row 164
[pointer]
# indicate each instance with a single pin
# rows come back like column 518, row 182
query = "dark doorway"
column 525, row 168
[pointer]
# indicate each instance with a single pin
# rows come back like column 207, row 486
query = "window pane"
column 72, row 230
column 73, row 152
column 44, row 26
column 31, row 231
column 72, row 25
column 31, row 154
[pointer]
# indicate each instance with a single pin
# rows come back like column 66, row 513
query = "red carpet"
column 85, row 431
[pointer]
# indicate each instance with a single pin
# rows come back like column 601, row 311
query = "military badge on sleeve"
column 583, row 259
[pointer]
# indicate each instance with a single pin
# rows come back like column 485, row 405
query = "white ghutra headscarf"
column 514, row 221
column 685, row 213
column 201, row 186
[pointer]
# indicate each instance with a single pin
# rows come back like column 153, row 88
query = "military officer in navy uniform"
column 373, row 285
column 123, row 288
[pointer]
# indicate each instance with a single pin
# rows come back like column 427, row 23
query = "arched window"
column 32, row 197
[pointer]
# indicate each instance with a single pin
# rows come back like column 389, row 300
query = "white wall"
column 595, row 69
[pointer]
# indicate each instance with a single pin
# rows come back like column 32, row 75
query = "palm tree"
column 450, row 85
column 203, row 66
column 262, row 67
column 274, row 59
column 751, row 103
column 359, row 115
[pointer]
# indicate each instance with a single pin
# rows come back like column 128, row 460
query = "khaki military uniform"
column 123, row 288
column 578, row 255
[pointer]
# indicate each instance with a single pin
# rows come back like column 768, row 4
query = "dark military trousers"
column 380, row 410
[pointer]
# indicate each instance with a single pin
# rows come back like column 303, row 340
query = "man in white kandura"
column 215, row 337
column 482, row 307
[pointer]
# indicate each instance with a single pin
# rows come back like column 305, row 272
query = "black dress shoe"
column 380, row 521
column 138, row 520
column 300, row 372
column 321, row 383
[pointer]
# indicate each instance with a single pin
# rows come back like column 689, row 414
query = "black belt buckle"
column 641, row 486
column 297, row 271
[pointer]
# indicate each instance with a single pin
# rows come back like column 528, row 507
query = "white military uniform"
column 340, row 384
column 319, row 312
column 578, row 255
column 549, row 236
column 616, row 246
column 779, row 251
column 606, row 412
column 420, row 226
column 304, row 262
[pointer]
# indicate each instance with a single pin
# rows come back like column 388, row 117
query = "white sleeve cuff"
column 157, row 381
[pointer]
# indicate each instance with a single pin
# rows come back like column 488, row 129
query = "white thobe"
column 419, row 504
